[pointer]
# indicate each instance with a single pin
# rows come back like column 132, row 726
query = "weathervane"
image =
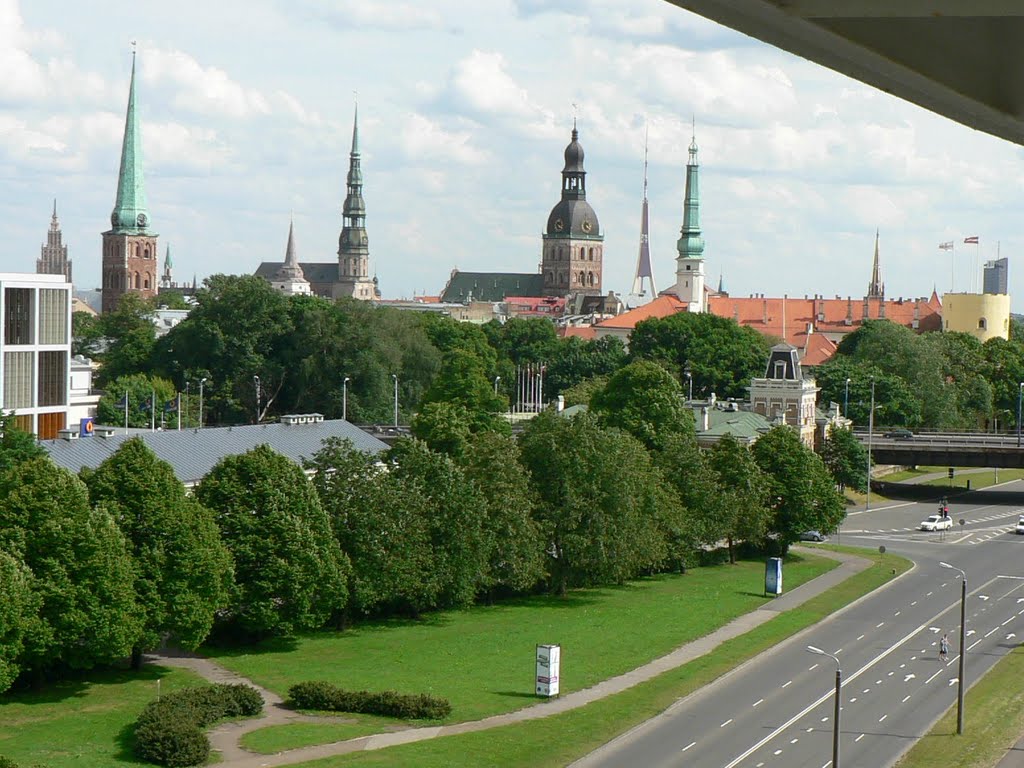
column 575, row 109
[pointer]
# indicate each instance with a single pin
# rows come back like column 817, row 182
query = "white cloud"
column 424, row 140
column 480, row 80
column 206, row 90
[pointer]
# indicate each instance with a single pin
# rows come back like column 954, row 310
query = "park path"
column 226, row 737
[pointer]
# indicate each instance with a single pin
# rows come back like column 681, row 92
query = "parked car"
column 817, row 536
column 1020, row 526
column 898, row 433
column 937, row 523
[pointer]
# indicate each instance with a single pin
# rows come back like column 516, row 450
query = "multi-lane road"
column 776, row 712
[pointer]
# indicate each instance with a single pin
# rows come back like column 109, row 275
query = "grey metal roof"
column 192, row 453
column 315, row 272
column 491, row 286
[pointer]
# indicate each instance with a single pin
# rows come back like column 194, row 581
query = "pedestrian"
column 944, row 648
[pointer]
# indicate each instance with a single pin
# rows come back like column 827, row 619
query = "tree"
column 741, row 494
column 18, row 607
column 382, row 522
column 289, row 572
column 846, row 459
column 514, row 547
column 182, row 569
column 130, row 337
column 86, row 334
column 1004, row 370
column 462, row 381
column 802, row 494
column 16, row 445
column 444, row 427
column 523, row 340
column 81, row 574
column 583, row 392
column 685, row 469
column 721, row 355
column 644, row 400
column 575, row 360
column 139, row 390
column 599, row 499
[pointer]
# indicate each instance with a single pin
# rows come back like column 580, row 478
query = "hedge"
column 169, row 729
column 324, row 696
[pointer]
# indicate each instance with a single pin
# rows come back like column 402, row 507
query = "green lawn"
column 558, row 740
column 980, row 478
column 482, row 659
column 277, row 738
column 993, row 721
column 84, row 722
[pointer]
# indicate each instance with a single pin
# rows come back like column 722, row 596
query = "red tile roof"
column 663, row 306
column 585, row 332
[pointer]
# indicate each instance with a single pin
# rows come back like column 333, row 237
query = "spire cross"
column 575, row 110
column 133, row 49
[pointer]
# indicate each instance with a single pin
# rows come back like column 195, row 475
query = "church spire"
column 876, row 288
column 643, row 262
column 689, row 285
column 131, row 213
column 353, row 243
column 167, row 279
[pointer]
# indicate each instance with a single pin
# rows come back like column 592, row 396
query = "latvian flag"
column 971, row 240
column 946, row 246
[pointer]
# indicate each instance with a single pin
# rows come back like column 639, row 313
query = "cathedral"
column 347, row 277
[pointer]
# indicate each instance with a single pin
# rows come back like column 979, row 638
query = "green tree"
column 583, row 392
column 16, row 445
column 81, row 571
column 289, row 572
column 721, row 355
column 686, row 471
column 575, row 361
column 846, row 459
column 86, row 334
column 182, row 570
column 462, row 381
column 140, row 389
column 523, row 340
column 444, row 427
column 644, row 400
column 599, row 498
column 742, row 493
column 802, row 493
column 512, row 539
column 130, row 337
column 18, row 607
column 1004, row 371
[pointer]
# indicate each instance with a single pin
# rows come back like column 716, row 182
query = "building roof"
column 131, row 214
column 745, row 426
column 491, row 286
column 585, row 332
column 192, row 453
column 664, row 306
column 314, row 272
column 817, row 349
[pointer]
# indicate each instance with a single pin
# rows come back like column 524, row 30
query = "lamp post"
column 395, row 377
column 846, row 399
column 496, row 380
column 871, row 429
column 256, row 383
column 202, row 382
column 344, row 398
column 835, row 719
column 963, row 648
column 1020, row 390
column 188, row 385
column 689, row 382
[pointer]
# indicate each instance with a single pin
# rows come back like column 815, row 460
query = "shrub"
column 6, row 762
column 317, row 694
column 169, row 729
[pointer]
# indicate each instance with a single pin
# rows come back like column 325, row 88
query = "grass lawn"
column 84, row 722
column 558, row 740
column 993, row 721
column 482, row 659
column 980, row 478
column 276, row 738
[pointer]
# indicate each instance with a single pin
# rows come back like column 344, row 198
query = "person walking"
column 944, row 648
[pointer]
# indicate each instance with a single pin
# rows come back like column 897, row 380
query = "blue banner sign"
column 773, row 576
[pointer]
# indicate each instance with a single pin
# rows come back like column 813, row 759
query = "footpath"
column 226, row 738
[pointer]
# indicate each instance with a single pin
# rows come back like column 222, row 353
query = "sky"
column 465, row 109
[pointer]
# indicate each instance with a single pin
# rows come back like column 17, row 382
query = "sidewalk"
column 225, row 738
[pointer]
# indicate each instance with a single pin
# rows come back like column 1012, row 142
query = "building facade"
column 53, row 257
column 983, row 315
column 130, row 263
column 35, row 342
column 995, row 276
column 783, row 395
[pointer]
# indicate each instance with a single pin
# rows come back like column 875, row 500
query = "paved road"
column 778, row 713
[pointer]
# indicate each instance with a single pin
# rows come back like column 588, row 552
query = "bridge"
column 946, row 449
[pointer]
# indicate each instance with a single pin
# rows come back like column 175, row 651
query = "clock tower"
column 573, row 249
column 353, row 244
column 130, row 245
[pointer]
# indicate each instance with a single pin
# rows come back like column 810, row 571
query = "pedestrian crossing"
column 1006, row 524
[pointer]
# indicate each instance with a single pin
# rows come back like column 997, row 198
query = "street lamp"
column 835, row 719
column 689, row 382
column 1020, row 390
column 963, row 648
column 188, row 403
column 395, row 377
column 846, row 399
column 256, row 383
column 496, row 380
column 871, row 429
column 202, row 382
column 344, row 398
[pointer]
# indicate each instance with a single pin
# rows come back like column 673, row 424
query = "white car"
column 1020, row 526
column 937, row 523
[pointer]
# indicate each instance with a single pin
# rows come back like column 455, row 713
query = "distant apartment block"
column 995, row 276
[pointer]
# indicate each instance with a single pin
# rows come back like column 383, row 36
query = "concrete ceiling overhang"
column 963, row 59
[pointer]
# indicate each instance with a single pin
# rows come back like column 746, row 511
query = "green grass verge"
column 980, row 478
column 277, row 738
column 481, row 659
column 84, row 722
column 560, row 739
column 993, row 721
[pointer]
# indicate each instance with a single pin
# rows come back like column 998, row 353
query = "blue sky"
column 465, row 110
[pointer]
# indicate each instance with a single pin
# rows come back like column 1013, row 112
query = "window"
column 982, row 324
column 591, row 255
column 53, row 378
column 53, row 316
column 18, row 379
column 18, row 316
column 138, row 280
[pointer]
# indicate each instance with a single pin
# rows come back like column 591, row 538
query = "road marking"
column 905, row 699
column 897, row 613
column 856, row 740
column 815, row 666
column 879, row 624
column 929, row 594
column 790, row 682
column 725, row 723
column 941, row 670
column 1007, row 621
column 913, row 603
column 794, row 741
column 688, row 746
column 910, row 676
column 777, row 752
column 758, row 702
column 882, row 718
column 860, row 638
column 995, row 629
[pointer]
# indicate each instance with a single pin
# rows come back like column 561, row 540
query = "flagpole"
column 179, row 411
column 152, row 410
column 126, row 411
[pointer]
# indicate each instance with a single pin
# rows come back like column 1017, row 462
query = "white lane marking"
column 856, row 740
column 787, row 683
column 929, row 594
column 969, row 647
column 912, row 604
column 688, row 746
column 941, row 670
column 794, row 741
column 910, row 676
column 971, row 632
column 897, row 613
column 725, row 723
column 882, row 718
column 777, row 752
column 953, row 681
column 879, row 624
column 837, row 651
column 994, row 629
column 861, row 637
column 758, row 702
column 905, row 699
column 1007, row 621
column 812, row 667
column 853, row 699
column 983, row 597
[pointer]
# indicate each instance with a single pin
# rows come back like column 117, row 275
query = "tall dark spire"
column 53, row 257
column 353, row 242
column 643, row 262
column 876, row 288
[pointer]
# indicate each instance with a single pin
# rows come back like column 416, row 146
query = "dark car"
column 898, row 434
column 812, row 536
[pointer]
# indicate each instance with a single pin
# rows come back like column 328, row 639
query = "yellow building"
column 983, row 315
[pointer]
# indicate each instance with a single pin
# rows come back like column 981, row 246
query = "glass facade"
column 18, row 315
column 53, row 316
column 53, row 378
column 18, row 379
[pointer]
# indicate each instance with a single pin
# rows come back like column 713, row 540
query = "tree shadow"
column 518, row 695
column 77, row 683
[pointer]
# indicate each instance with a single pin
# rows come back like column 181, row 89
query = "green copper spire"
column 691, row 244
column 130, row 214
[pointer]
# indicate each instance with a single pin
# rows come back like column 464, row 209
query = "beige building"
column 983, row 315
column 783, row 395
